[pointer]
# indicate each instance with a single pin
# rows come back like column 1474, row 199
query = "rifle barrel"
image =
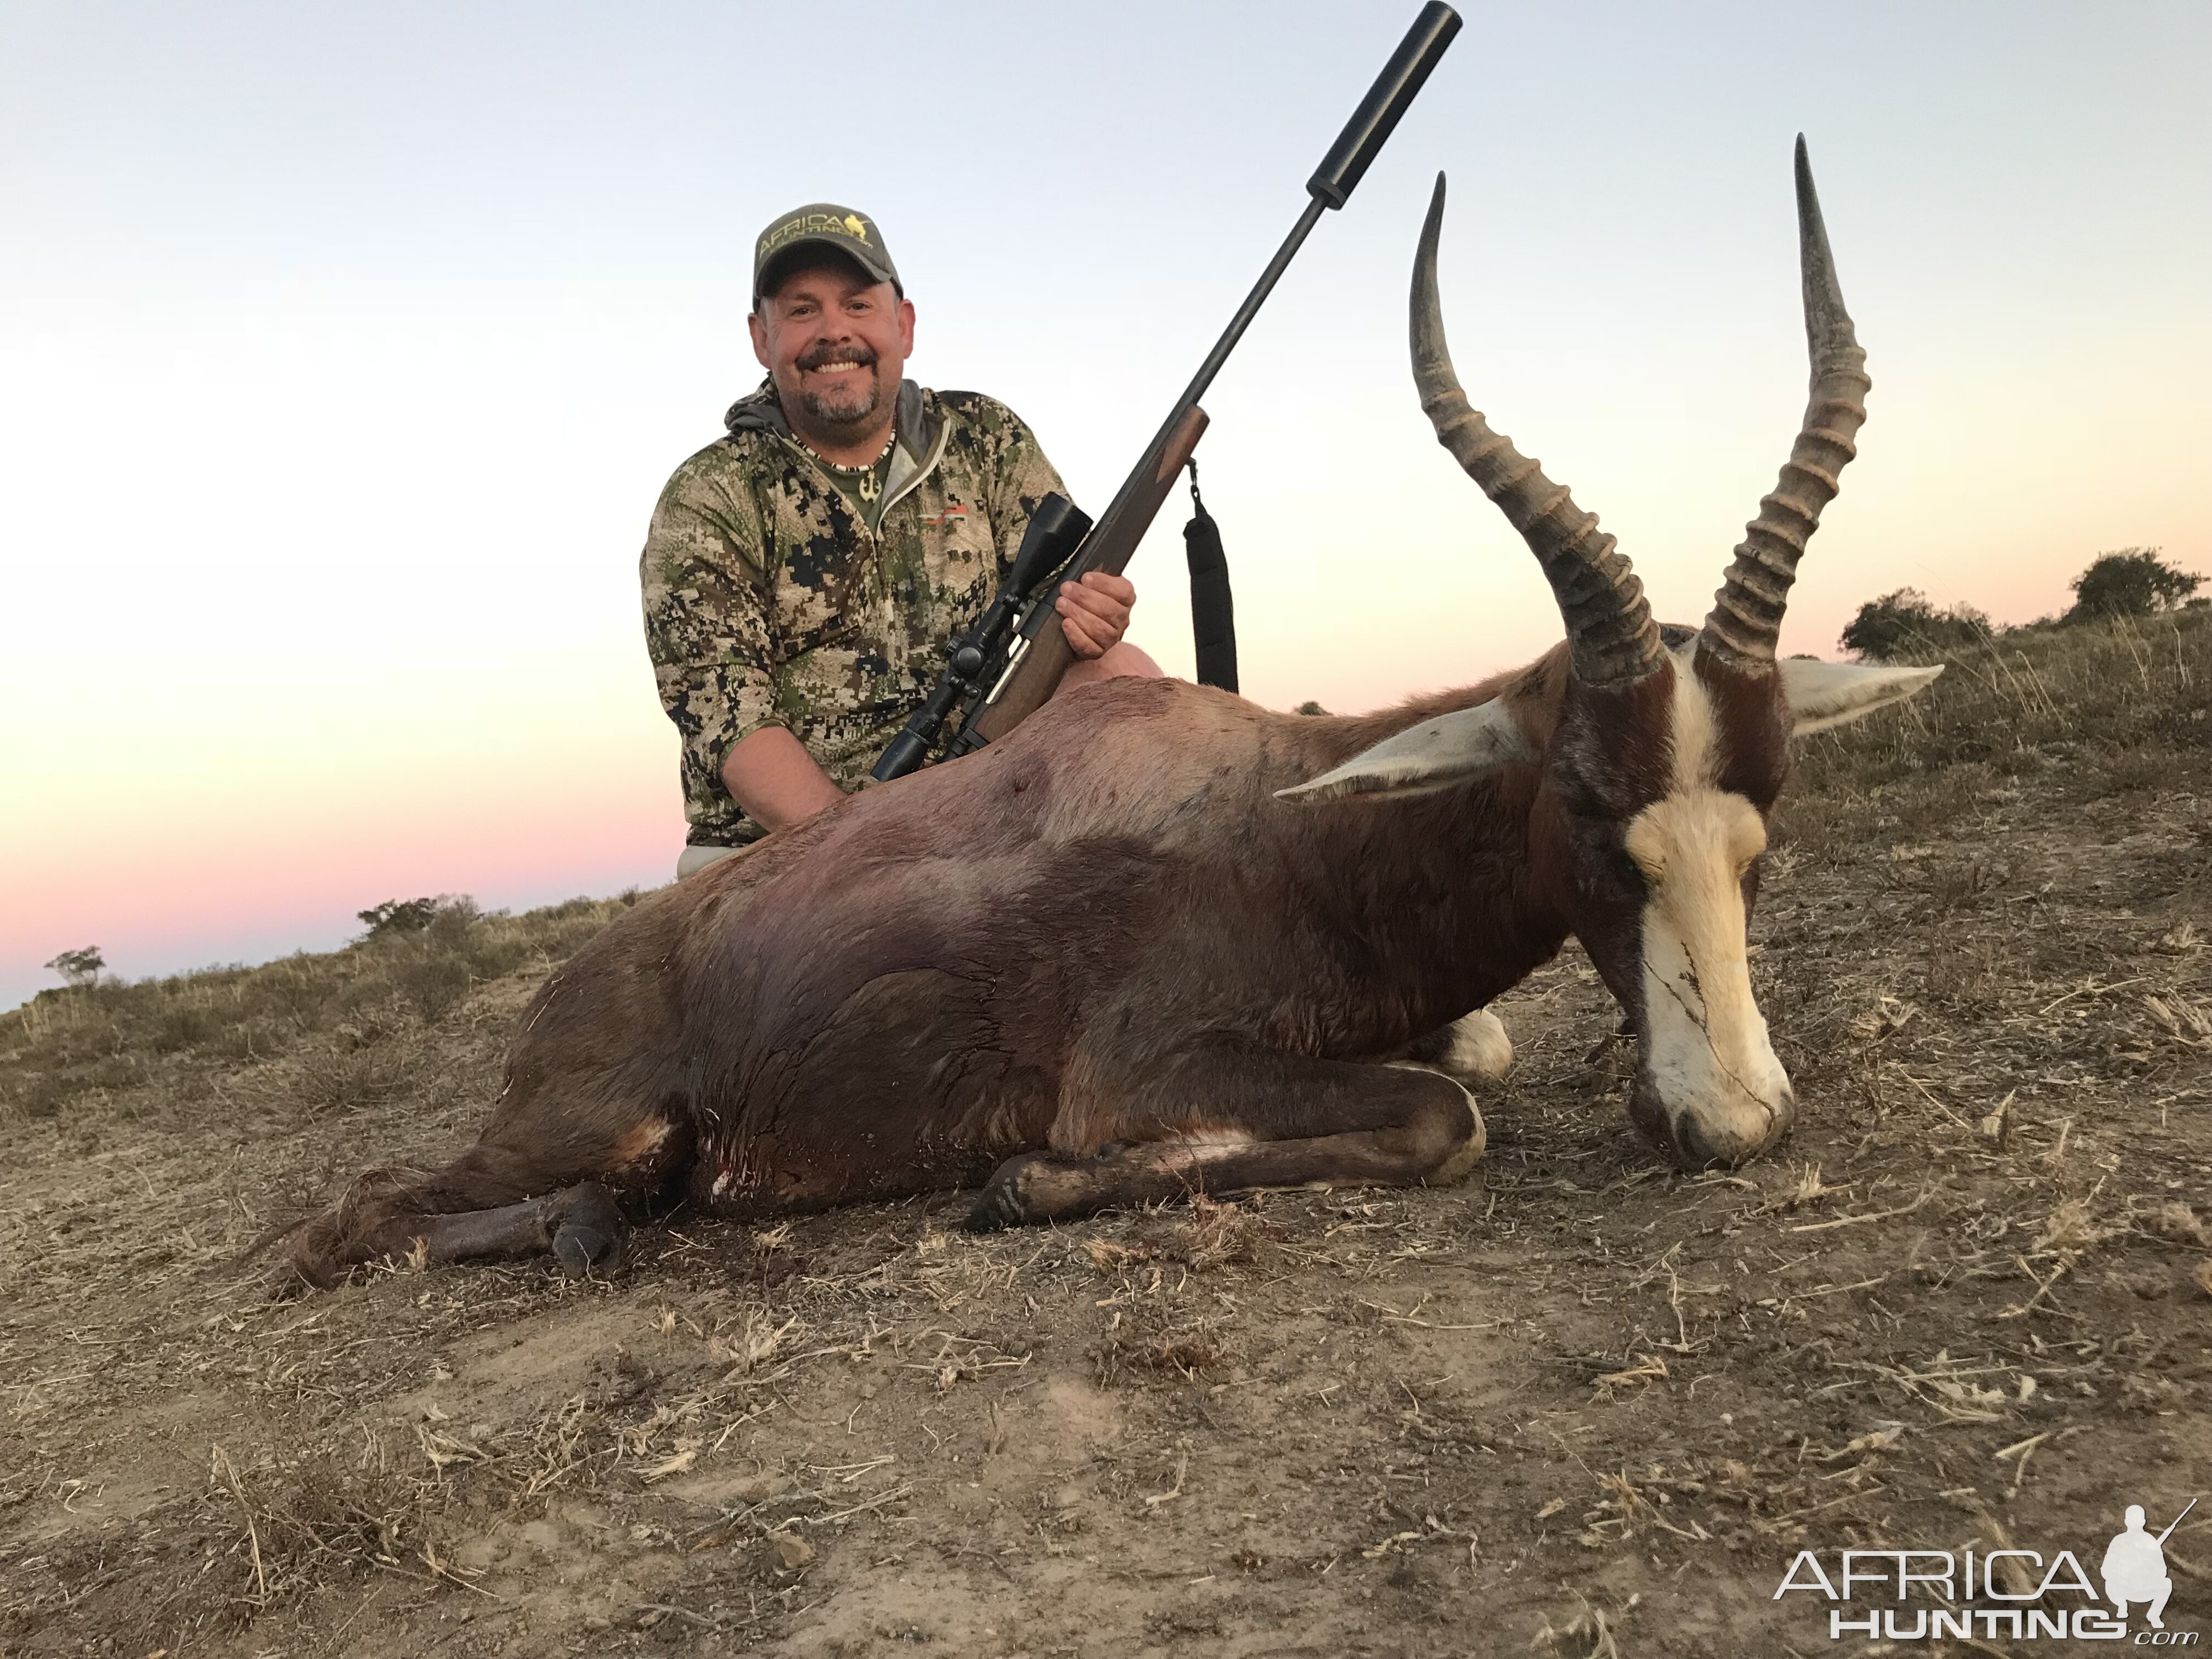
column 1331, row 186
column 2177, row 1521
column 1041, row 654
column 1229, row 336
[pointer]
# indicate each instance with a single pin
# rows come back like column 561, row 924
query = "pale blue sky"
column 343, row 348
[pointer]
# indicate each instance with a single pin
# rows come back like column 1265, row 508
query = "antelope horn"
column 1610, row 636
column 1747, row 615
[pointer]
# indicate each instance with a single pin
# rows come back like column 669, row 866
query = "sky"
column 344, row 348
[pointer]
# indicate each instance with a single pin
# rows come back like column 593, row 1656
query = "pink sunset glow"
column 346, row 354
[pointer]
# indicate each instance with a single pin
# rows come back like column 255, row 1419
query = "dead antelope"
column 1160, row 940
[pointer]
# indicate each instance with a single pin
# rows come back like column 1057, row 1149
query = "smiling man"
column 804, row 574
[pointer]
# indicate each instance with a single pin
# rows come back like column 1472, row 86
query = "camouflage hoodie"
column 769, row 602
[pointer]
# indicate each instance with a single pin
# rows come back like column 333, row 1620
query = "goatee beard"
column 856, row 406
column 851, row 412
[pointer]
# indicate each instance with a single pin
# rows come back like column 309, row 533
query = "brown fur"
column 1101, row 930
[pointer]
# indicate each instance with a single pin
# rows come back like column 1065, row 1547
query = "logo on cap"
column 829, row 224
column 814, row 224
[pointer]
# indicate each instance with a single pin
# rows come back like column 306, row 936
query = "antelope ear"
column 1453, row 748
column 1826, row 694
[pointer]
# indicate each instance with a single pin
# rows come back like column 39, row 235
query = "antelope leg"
column 1232, row 1114
column 579, row 1224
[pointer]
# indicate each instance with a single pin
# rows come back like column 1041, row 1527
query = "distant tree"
column 1310, row 706
column 1905, row 623
column 2132, row 582
column 79, row 967
column 399, row 916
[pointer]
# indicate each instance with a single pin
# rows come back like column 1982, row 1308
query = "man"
column 803, row 575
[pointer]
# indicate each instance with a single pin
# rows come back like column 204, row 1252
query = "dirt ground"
column 1581, row 1404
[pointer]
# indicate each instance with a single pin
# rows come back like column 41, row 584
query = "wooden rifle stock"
column 1045, row 653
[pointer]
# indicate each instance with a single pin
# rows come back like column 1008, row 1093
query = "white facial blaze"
column 1706, row 1044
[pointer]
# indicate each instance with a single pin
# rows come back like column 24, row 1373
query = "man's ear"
column 1453, row 748
column 758, row 328
column 906, row 328
column 1826, row 694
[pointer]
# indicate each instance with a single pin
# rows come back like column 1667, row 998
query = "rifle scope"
column 1056, row 529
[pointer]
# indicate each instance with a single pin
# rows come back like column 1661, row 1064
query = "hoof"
column 1001, row 1204
column 989, row 1216
column 582, row 1246
column 997, row 1210
column 1038, row 1187
column 588, row 1228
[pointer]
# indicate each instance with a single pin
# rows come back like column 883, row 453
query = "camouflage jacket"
column 769, row 602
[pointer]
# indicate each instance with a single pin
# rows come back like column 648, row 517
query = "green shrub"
column 78, row 967
column 396, row 916
column 1905, row 625
column 2132, row 582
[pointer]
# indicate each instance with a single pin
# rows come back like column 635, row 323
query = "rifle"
column 2176, row 1522
column 1056, row 529
column 1021, row 669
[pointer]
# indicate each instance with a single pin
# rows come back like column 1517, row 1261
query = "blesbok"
column 1159, row 939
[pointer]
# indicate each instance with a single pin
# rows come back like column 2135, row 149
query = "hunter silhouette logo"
column 2134, row 1568
column 857, row 225
column 2008, row 1593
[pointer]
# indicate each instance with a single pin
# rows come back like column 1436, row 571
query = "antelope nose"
column 1706, row 1146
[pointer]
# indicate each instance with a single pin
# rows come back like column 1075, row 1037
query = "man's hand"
column 1095, row 613
column 772, row 776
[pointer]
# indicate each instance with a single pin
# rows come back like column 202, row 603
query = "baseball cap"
column 824, row 225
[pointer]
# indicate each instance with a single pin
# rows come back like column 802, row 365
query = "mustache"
column 817, row 356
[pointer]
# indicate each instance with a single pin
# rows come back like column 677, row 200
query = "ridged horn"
column 1611, row 637
column 1746, row 621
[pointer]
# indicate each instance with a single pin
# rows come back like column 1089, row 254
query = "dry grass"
column 1580, row 1405
column 86, row 1046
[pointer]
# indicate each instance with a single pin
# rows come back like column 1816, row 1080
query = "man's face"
column 834, row 342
